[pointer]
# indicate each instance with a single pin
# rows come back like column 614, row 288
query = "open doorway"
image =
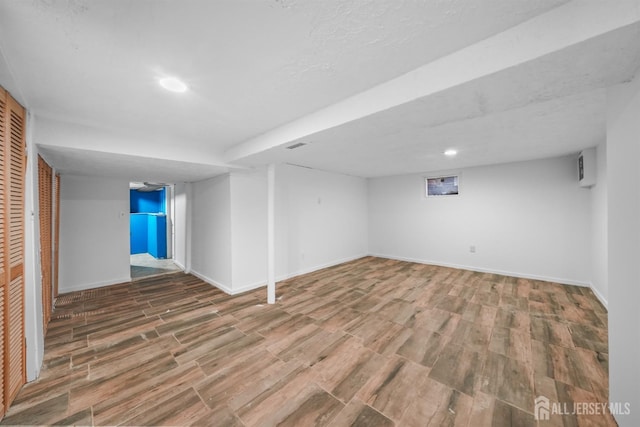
column 151, row 231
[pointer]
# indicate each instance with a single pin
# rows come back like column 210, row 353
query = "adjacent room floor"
column 145, row 265
column 370, row 342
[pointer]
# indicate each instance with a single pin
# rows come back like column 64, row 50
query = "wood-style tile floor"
column 373, row 342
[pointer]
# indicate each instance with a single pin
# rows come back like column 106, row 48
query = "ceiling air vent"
column 297, row 145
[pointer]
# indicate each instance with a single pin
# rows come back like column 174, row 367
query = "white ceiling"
column 394, row 144
column 255, row 66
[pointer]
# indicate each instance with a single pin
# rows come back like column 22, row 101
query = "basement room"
column 328, row 213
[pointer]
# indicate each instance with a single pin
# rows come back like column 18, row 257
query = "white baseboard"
column 318, row 267
column 179, row 264
column 601, row 298
column 488, row 270
column 223, row 288
column 261, row 284
column 249, row 287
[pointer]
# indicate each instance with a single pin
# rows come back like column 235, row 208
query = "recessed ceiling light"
column 450, row 152
column 173, row 84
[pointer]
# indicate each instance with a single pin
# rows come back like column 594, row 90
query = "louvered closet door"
column 3, row 317
column 45, row 196
column 14, row 173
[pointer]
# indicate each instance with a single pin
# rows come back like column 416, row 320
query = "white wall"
column 599, row 243
column 321, row 219
column 623, row 192
column 527, row 219
column 211, row 231
column 94, row 232
column 248, row 229
column 180, row 225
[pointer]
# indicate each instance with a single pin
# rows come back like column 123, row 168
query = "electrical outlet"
column 472, row 249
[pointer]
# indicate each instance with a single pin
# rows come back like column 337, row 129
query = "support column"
column 271, row 247
column 188, row 226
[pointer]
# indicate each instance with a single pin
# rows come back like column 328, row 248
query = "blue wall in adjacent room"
column 157, row 236
column 148, row 223
column 149, row 234
column 139, row 233
column 147, row 201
